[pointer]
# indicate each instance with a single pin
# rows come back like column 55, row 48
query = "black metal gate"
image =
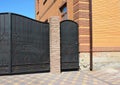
column 69, row 45
column 24, row 44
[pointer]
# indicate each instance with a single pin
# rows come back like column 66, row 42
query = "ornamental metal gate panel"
column 69, row 45
column 24, row 45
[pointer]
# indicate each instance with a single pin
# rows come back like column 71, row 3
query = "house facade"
column 103, row 17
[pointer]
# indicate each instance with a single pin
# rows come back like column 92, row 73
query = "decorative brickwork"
column 84, row 31
column 81, row 16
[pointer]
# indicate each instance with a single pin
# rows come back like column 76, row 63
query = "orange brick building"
column 102, row 16
column 77, row 10
column 105, row 20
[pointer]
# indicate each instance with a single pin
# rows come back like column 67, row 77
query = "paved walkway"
column 100, row 77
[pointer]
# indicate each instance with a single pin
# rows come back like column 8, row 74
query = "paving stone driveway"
column 108, row 76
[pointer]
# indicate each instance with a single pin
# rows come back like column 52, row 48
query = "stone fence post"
column 55, row 45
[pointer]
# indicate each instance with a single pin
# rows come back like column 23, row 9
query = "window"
column 44, row 1
column 63, row 10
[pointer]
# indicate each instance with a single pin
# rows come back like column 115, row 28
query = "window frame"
column 63, row 13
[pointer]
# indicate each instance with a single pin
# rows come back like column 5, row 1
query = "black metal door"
column 69, row 45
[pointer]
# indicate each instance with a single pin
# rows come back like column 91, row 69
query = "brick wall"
column 81, row 16
column 106, row 25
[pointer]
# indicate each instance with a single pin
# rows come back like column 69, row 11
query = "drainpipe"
column 91, row 37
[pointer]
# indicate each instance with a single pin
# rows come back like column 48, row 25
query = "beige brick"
column 54, row 45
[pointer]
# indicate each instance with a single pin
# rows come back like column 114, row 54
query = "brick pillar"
column 81, row 16
column 54, row 44
column 81, row 12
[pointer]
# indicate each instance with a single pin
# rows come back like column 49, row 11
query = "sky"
column 22, row 7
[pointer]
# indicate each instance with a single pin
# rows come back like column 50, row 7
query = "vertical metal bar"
column 10, row 57
column 91, row 42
